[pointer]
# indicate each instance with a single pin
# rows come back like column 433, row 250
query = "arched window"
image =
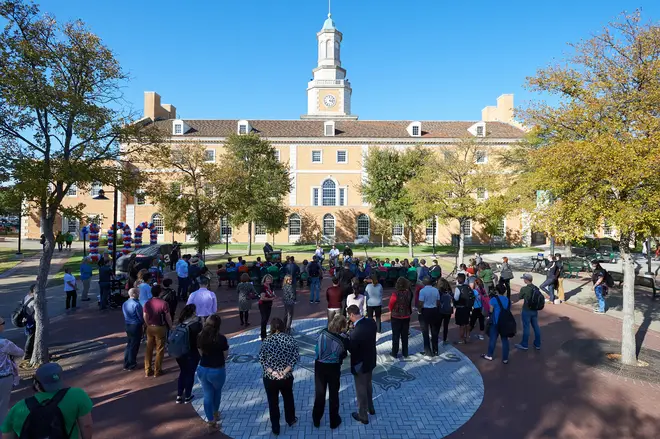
column 328, row 225
column 295, row 226
column 322, row 49
column 363, row 226
column 329, row 193
column 157, row 219
column 328, row 49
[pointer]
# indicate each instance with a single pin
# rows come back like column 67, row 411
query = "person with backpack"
column 429, row 299
column 182, row 345
column 463, row 302
column 422, row 270
column 158, row 321
column 55, row 411
column 446, row 309
column 315, row 275
column 533, row 303
column 134, row 322
column 400, row 311
column 477, row 314
column 601, row 282
column 502, row 324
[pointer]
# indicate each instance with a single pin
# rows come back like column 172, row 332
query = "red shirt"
column 334, row 296
column 268, row 291
column 155, row 310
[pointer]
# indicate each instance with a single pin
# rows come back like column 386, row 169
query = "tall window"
column 363, row 225
column 480, row 131
column 467, row 228
column 159, row 223
column 397, row 229
column 225, row 227
column 242, row 129
column 501, row 228
column 209, row 155
column 73, row 190
column 329, row 193
column 259, row 229
column 431, row 228
column 328, row 225
column 72, row 226
column 96, row 187
column 139, row 197
column 607, row 229
column 415, row 130
column 277, row 154
column 481, row 193
column 295, row 225
column 315, row 196
column 342, row 196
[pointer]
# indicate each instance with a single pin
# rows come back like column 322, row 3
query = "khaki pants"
column 156, row 338
column 85, row 292
column 560, row 289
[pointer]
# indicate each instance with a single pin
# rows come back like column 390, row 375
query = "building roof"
column 329, row 24
column 343, row 128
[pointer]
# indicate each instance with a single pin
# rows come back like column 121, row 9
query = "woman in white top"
column 374, row 293
column 356, row 298
column 8, row 370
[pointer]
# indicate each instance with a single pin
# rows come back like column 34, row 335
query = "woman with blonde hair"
column 266, row 302
column 246, row 293
column 289, row 299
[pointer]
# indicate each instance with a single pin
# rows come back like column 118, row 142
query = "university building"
column 324, row 150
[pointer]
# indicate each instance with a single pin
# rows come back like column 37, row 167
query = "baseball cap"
column 527, row 276
column 50, row 377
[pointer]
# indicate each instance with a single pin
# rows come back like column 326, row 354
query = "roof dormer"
column 243, row 127
column 179, row 127
column 478, row 129
column 415, row 129
column 329, row 128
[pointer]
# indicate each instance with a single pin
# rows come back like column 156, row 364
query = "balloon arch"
column 127, row 239
column 94, row 231
column 153, row 234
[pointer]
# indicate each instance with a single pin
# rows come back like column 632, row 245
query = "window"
column 501, row 228
column 397, row 229
column 431, row 230
column 415, row 130
column 259, row 229
column 329, row 193
column 225, row 227
column 242, row 129
column 277, row 154
column 209, row 155
column 177, row 156
column 315, row 196
column 295, row 225
column 328, row 225
column 316, row 157
column 480, row 157
column 363, row 225
column 607, row 229
column 96, row 187
column 72, row 226
column 481, row 193
column 159, row 223
column 209, row 190
column 480, row 131
column 329, row 129
column 466, row 230
column 140, row 199
column 342, row 196
column 342, row 157
column 73, row 190
column 178, row 128
column 449, row 156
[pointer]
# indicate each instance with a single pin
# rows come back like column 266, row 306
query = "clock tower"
column 329, row 92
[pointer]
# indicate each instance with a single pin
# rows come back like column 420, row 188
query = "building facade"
column 324, row 149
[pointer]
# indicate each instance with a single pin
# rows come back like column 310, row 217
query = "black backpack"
column 506, row 323
column 537, row 301
column 467, row 296
column 20, row 315
column 445, row 303
column 609, row 280
column 313, row 269
column 45, row 420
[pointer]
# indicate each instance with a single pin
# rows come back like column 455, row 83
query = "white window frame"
column 503, row 235
column 320, row 151
column 335, row 196
column 345, row 156
column 342, row 196
column 207, row 160
column 178, row 129
column 208, row 187
column 433, row 225
column 73, row 188
column 277, row 154
column 334, row 225
column 362, row 235
column 225, row 228
column 329, row 129
column 140, row 193
column 396, row 226
column 485, row 194
column 162, row 219
column 316, row 198
column 480, row 130
column 257, row 228
column 415, row 130
column 469, row 223
column 96, row 187
column 297, row 218
column 484, row 158
column 66, row 226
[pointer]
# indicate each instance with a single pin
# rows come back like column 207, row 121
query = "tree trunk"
column 628, row 346
column 382, row 241
column 410, row 242
column 40, row 353
column 461, row 243
column 249, row 247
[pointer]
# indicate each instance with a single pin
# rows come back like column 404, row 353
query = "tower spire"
column 329, row 8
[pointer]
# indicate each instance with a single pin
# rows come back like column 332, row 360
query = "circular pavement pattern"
column 422, row 398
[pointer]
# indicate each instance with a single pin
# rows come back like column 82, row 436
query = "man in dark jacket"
column 292, row 269
column 363, row 361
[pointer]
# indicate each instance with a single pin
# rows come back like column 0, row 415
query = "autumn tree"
column 386, row 186
column 599, row 146
column 261, row 183
column 60, row 122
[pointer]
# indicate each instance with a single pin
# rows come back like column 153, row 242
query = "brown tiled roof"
column 346, row 129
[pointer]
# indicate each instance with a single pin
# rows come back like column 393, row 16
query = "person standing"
column 400, row 310
column 548, row 286
column 69, row 240
column 205, row 300
column 292, row 269
column 266, row 303
column 600, row 286
column 246, row 293
column 134, row 321
column 105, row 282
column 59, row 239
column 194, row 270
column 268, row 249
column 346, row 277
column 192, row 325
column 30, row 324
column 211, row 372
column 175, row 254
column 497, row 305
column 356, row 297
column 86, row 272
column 422, row 270
column 445, row 309
column 320, row 256
column 289, row 299
column 158, row 321
column 530, row 295
column 278, row 356
column 334, row 297
column 315, row 273
column 477, row 313
column 506, row 274
column 334, row 256
column 8, row 370
column 374, row 295
column 429, row 300
column 560, row 277
column 146, row 292
column 348, row 254
column 70, row 289
column 169, row 296
column 182, row 277
column 463, row 298
column 362, row 347
column 331, row 349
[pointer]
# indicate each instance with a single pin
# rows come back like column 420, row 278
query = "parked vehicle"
column 142, row 257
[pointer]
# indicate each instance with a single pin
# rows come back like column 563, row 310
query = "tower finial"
column 329, row 8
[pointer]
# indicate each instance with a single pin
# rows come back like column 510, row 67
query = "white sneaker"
column 480, row 337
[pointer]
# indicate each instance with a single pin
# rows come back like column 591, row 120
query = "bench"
column 642, row 281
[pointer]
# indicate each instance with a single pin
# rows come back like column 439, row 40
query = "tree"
column 385, row 188
column 382, row 228
column 260, row 185
column 59, row 122
column 456, row 184
column 600, row 145
column 198, row 198
column 10, row 201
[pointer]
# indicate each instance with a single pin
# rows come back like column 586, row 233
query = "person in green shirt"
column 59, row 240
column 529, row 316
column 486, row 275
column 75, row 405
column 69, row 240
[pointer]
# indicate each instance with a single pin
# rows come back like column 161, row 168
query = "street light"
column 226, row 235
column 101, row 196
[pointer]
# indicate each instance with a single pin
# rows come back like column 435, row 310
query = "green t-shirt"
column 76, row 403
column 486, row 276
column 526, row 294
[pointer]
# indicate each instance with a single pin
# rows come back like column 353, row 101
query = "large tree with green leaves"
column 60, row 122
column 386, row 186
column 598, row 148
column 259, row 185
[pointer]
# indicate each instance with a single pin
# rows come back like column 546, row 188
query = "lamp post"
column 101, row 196
column 433, row 226
column 18, row 252
column 226, row 235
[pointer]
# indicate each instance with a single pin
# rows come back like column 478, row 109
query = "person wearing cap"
column 529, row 315
column 86, row 277
column 74, row 403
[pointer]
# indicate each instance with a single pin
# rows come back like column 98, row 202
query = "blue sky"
column 418, row 59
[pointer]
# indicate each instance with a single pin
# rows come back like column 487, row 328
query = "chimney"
column 503, row 112
column 153, row 108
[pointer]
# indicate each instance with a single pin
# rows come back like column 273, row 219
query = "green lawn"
column 74, row 264
column 8, row 258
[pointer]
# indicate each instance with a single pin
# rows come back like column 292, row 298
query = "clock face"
column 329, row 101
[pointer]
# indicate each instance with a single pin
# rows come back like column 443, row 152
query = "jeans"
column 548, row 287
column 265, row 309
column 326, row 376
column 364, row 392
column 378, row 310
column 134, row 337
column 187, row 366
column 493, row 341
column 601, row 299
column 104, row 291
column 444, row 321
column 430, row 321
column 530, row 316
column 273, row 390
column 212, row 380
column 182, row 290
column 288, row 316
column 332, row 312
column 314, row 289
column 71, row 298
column 156, row 338
column 85, row 292
column 29, row 342
column 400, row 330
